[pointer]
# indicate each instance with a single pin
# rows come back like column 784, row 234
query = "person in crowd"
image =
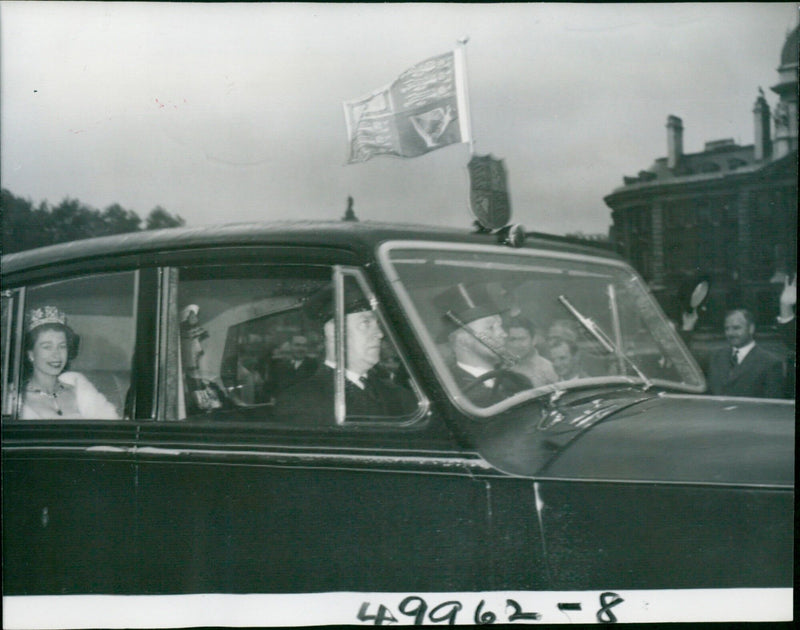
column 563, row 353
column 286, row 372
column 787, row 325
column 367, row 396
column 521, row 343
column 563, row 329
column 201, row 395
column 50, row 391
column 744, row 368
column 474, row 330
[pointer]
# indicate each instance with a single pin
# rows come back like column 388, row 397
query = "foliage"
column 26, row 226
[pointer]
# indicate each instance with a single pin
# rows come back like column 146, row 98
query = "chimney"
column 674, row 140
column 763, row 141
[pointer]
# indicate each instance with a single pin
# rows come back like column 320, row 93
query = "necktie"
column 735, row 358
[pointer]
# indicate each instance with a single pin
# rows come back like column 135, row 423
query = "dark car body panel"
column 683, row 439
column 635, row 536
column 631, row 488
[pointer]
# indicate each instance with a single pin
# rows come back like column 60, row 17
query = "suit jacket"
column 311, row 402
column 759, row 375
column 506, row 384
column 788, row 331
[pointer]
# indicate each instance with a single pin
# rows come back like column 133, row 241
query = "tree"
column 26, row 227
column 160, row 218
column 23, row 227
column 118, row 220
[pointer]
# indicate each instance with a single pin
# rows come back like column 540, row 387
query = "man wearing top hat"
column 366, row 395
column 474, row 329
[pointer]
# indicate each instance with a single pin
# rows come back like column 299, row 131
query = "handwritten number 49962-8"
column 446, row 612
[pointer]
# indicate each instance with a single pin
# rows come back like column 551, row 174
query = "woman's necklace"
column 54, row 396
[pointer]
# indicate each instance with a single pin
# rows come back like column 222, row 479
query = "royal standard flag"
column 422, row 110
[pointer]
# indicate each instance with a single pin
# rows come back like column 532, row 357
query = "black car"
column 206, row 470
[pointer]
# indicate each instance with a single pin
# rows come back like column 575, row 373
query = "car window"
column 500, row 323
column 264, row 344
column 8, row 349
column 76, row 348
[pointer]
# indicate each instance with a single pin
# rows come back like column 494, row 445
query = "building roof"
column 721, row 158
column 790, row 52
column 719, row 164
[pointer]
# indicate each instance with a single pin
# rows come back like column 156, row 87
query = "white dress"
column 92, row 405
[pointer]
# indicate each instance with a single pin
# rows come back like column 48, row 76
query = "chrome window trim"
column 16, row 322
column 166, row 290
column 423, row 404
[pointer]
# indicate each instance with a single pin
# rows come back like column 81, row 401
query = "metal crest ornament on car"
column 488, row 193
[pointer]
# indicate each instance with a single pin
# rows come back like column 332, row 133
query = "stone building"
column 727, row 214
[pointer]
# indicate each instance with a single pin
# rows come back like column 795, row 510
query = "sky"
column 233, row 112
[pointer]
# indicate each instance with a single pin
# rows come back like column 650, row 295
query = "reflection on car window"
column 77, row 348
column 498, row 323
column 259, row 344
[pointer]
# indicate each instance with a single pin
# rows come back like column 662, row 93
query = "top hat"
column 464, row 303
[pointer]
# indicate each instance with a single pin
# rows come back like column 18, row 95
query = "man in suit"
column 787, row 326
column 474, row 329
column 744, row 369
column 367, row 397
column 296, row 368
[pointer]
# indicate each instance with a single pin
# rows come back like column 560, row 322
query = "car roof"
column 359, row 236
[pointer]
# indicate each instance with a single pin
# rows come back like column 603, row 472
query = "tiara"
column 46, row 315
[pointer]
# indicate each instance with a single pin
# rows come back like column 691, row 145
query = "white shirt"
column 477, row 372
column 351, row 376
column 742, row 352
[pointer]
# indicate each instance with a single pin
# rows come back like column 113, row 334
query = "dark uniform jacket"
column 759, row 375
column 311, row 402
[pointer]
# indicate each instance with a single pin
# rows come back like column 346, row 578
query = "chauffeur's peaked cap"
column 321, row 306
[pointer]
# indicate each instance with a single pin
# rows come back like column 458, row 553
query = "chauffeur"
column 366, row 395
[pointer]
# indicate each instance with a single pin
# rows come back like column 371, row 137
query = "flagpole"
column 463, row 88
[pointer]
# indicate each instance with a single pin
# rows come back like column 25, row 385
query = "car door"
column 68, row 484
column 236, row 497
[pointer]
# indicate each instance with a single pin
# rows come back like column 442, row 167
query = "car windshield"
column 489, row 315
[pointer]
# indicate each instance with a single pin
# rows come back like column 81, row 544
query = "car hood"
column 664, row 438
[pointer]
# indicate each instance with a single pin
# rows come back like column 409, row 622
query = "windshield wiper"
column 604, row 339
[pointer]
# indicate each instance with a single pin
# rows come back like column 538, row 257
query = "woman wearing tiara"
column 50, row 392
